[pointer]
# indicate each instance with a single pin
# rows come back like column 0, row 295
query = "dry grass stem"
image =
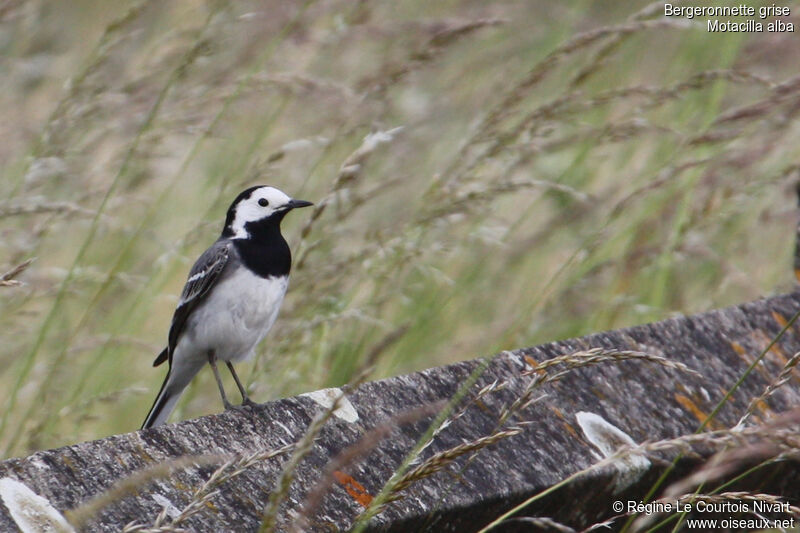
column 231, row 468
column 7, row 279
column 130, row 485
column 9, row 209
column 349, row 170
column 600, row 56
column 783, row 378
column 368, row 366
column 203, row 495
column 595, row 356
column 775, row 439
column 541, row 523
column 440, row 460
column 269, row 520
column 780, row 93
column 444, row 34
column 509, row 103
column 305, row 445
column 352, row 455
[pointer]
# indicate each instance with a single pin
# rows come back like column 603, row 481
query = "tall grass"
column 560, row 169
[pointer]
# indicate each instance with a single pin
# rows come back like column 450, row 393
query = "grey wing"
column 204, row 274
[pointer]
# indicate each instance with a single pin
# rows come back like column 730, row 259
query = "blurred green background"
column 562, row 168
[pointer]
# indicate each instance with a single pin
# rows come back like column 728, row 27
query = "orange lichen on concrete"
column 763, row 409
column 740, row 350
column 748, row 357
column 779, row 318
column 353, row 488
column 777, row 353
column 690, row 406
column 571, row 430
column 533, row 363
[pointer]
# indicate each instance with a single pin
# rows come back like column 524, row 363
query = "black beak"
column 294, row 204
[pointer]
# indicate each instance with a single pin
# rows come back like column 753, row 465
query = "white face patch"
column 251, row 209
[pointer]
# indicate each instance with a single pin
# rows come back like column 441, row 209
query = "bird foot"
column 244, row 406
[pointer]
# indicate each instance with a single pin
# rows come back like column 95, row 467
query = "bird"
column 231, row 297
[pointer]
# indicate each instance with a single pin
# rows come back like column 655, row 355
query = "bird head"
column 256, row 208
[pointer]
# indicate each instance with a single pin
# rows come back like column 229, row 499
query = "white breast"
column 235, row 317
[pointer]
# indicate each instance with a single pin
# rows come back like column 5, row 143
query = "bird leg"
column 245, row 398
column 212, row 360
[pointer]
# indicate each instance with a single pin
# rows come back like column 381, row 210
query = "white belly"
column 234, row 318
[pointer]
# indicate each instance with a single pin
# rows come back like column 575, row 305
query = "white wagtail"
column 231, row 298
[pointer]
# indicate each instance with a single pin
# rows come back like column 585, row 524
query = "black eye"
column 263, row 202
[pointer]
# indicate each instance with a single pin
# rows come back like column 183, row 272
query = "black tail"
column 163, row 356
column 162, row 406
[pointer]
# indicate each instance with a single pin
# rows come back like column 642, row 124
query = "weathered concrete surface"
column 644, row 400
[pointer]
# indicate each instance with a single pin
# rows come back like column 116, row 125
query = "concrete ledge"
column 645, row 401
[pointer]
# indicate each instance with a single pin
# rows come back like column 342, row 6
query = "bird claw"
column 244, row 406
